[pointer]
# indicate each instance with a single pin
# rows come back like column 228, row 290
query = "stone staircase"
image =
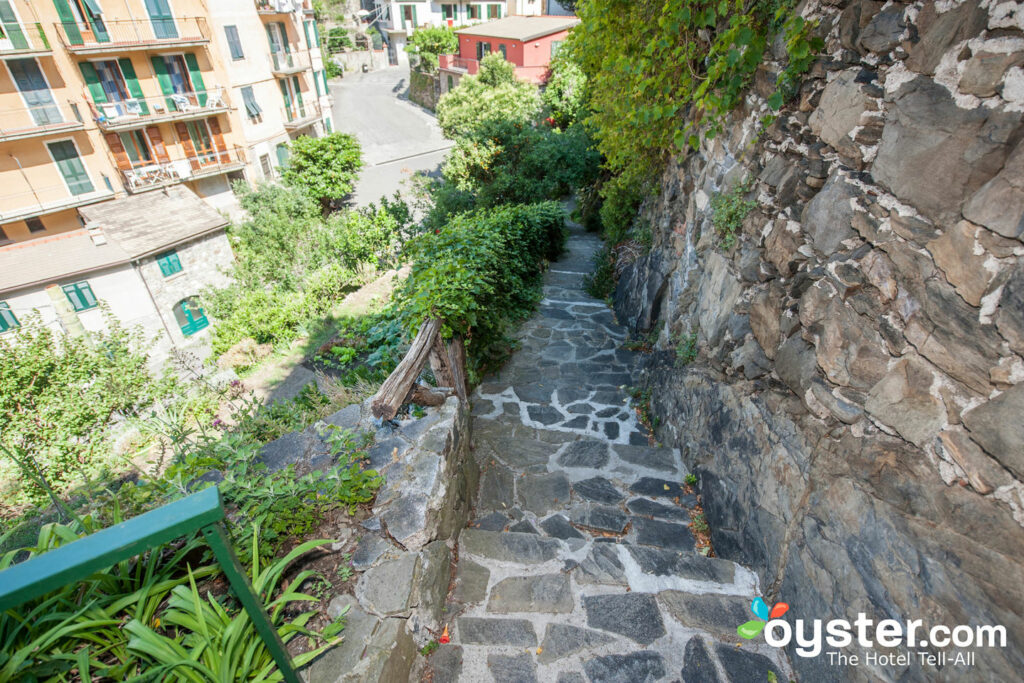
column 579, row 564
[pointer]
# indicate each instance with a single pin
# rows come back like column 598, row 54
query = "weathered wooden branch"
column 396, row 387
column 455, row 350
column 427, row 396
column 439, row 363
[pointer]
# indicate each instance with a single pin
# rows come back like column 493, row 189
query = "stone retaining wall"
column 855, row 412
column 404, row 559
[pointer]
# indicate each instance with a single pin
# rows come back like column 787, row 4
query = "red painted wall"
column 535, row 53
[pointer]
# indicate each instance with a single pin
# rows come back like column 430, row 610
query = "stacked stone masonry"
column 856, row 411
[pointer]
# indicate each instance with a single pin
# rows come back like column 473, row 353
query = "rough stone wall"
column 424, row 89
column 856, row 411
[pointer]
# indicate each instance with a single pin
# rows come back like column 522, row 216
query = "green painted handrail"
column 79, row 559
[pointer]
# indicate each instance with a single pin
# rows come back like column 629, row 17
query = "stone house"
column 145, row 257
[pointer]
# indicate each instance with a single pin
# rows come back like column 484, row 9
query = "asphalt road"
column 398, row 137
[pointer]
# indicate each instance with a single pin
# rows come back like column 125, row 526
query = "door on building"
column 65, row 155
column 161, row 18
column 36, row 91
column 189, row 316
column 197, row 134
column 114, row 88
column 12, row 36
column 408, row 16
column 482, row 50
column 292, row 94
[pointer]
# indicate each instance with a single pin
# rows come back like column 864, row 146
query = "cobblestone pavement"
column 579, row 564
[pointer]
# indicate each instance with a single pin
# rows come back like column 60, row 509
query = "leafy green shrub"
column 495, row 70
column 60, row 397
column 481, row 272
column 564, row 95
column 462, row 112
column 324, row 168
column 658, row 72
column 621, row 199
column 728, row 210
column 600, row 283
column 338, row 39
column 429, row 42
column 686, row 350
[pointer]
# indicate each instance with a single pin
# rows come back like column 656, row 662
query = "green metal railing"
column 201, row 511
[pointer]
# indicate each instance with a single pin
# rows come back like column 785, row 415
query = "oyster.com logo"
column 753, row 628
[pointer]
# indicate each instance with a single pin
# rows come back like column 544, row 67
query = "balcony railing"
column 279, row 6
column 43, row 119
column 149, row 175
column 143, row 111
column 298, row 116
column 131, row 34
column 289, row 62
column 42, row 200
column 19, row 41
column 470, row 66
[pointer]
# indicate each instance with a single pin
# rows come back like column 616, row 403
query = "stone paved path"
column 579, row 565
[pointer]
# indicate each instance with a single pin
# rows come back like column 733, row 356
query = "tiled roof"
column 133, row 227
column 522, row 29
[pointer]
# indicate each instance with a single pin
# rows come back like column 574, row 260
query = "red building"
column 527, row 42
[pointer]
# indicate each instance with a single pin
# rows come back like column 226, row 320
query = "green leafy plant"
column 729, row 209
column 474, row 103
column 691, row 479
column 600, row 283
column 429, row 648
column 429, row 42
column 324, row 168
column 564, row 95
column 686, row 349
column 700, row 523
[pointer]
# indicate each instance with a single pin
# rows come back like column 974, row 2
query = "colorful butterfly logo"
column 760, row 609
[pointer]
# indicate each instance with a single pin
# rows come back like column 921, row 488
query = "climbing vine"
column 662, row 72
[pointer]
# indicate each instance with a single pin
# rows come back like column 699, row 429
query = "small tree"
column 563, row 97
column 324, row 168
column 474, row 104
column 430, row 42
column 495, row 70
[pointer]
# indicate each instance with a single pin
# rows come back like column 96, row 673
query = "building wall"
column 123, row 291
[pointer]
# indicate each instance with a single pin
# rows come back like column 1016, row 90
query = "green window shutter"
column 164, row 79
column 71, row 167
column 80, row 295
column 7, row 319
column 234, row 42
column 316, row 32
column 252, row 108
column 323, row 75
column 284, row 37
column 415, row 21
column 316, row 82
column 196, row 77
column 169, row 263
column 67, row 20
column 133, row 83
column 11, row 27
column 328, row 125
column 92, row 82
column 305, row 28
column 298, row 95
column 282, row 155
column 283, row 82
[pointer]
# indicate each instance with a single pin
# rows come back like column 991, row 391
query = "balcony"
column 279, row 6
column 150, row 176
column 44, row 200
column 124, row 35
column 456, row 63
column 24, row 41
column 286, row 63
column 37, row 121
column 146, row 111
column 298, row 117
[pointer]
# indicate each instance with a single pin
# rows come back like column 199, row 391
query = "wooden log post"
column 396, row 387
column 439, row 363
column 455, row 350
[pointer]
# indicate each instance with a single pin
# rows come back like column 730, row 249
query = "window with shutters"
column 494, row 11
column 482, row 50
column 265, row 165
column 190, row 316
column 115, row 90
column 136, row 146
column 252, row 108
column 69, row 163
column 7, row 320
column 504, row 52
column 35, row 225
column 448, row 12
column 234, row 43
column 169, row 263
column 472, row 11
column 80, row 295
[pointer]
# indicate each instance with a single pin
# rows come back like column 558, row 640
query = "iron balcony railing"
column 27, row 39
column 40, row 119
column 289, row 62
column 297, row 116
column 131, row 34
column 80, row 559
column 147, row 175
column 141, row 111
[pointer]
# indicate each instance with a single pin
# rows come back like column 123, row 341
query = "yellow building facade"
column 102, row 98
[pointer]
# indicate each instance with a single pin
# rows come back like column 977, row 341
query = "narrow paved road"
column 579, row 564
column 398, row 137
